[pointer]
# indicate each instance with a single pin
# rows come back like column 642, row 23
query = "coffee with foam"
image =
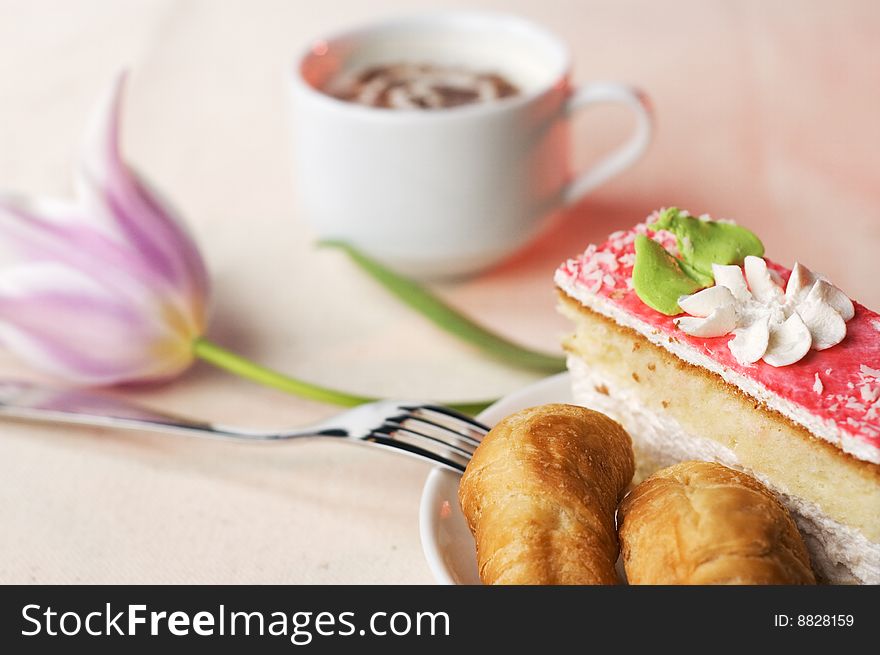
column 418, row 86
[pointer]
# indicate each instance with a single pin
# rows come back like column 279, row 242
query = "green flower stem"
column 449, row 319
column 237, row 365
column 229, row 361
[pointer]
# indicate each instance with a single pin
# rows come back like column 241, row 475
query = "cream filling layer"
column 840, row 554
column 825, row 429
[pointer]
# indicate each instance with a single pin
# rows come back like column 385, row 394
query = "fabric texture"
column 766, row 112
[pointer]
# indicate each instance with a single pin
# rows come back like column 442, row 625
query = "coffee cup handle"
column 624, row 156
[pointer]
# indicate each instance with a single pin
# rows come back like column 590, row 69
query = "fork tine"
column 394, row 444
column 471, row 423
column 461, row 436
column 391, row 427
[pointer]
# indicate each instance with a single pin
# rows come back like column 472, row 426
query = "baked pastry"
column 776, row 374
column 702, row 523
column 540, row 495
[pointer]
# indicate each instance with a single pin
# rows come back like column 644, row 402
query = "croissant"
column 702, row 523
column 540, row 494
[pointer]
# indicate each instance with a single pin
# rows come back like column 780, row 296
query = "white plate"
column 446, row 539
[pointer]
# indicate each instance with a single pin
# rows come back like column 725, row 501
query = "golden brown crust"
column 540, row 495
column 702, row 523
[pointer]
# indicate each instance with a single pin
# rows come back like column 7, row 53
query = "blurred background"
column 766, row 112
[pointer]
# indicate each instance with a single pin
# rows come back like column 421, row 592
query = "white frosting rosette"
column 769, row 323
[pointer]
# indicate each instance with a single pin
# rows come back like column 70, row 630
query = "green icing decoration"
column 660, row 279
column 703, row 243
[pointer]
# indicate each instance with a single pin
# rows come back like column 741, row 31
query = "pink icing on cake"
column 840, row 386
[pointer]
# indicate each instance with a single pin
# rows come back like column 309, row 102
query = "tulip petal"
column 109, row 289
column 66, row 323
column 117, row 195
column 50, row 230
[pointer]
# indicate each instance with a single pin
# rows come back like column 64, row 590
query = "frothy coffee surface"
column 419, row 86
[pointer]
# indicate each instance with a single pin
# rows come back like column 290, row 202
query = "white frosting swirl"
column 768, row 323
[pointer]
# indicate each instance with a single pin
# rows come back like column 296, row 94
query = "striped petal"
column 114, row 195
column 110, row 288
column 62, row 321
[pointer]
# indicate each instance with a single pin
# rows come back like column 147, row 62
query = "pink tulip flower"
column 106, row 289
column 110, row 288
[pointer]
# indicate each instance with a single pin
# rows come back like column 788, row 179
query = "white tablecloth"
column 766, row 112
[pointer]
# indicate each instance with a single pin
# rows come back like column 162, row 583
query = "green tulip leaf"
column 449, row 319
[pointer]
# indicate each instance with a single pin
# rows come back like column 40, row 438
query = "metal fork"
column 430, row 432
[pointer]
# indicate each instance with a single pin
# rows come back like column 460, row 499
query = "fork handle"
column 371, row 424
column 32, row 402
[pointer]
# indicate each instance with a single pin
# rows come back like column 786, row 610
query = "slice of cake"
column 770, row 370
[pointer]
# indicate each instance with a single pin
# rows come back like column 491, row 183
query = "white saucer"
column 446, row 539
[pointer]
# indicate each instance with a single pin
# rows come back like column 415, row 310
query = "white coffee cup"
column 447, row 191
